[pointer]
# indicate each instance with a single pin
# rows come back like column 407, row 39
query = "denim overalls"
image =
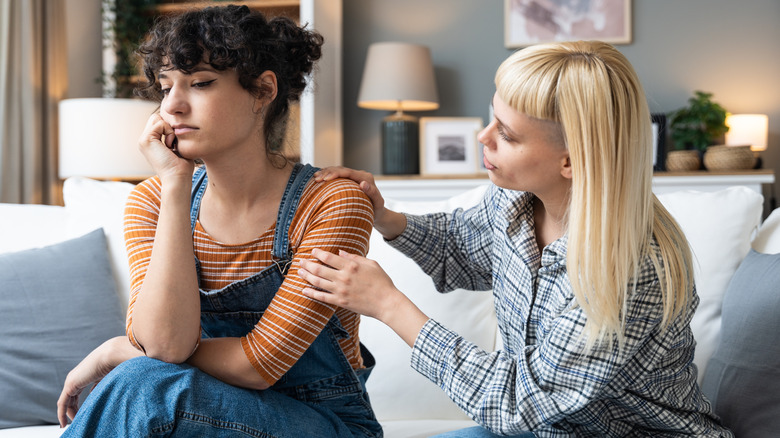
column 321, row 395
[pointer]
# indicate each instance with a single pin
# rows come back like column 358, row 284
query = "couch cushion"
column 396, row 390
column 57, row 304
column 718, row 226
column 25, row 226
column 743, row 376
column 419, row 428
column 101, row 204
column 767, row 240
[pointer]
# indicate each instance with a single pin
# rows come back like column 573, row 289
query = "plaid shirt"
column 541, row 380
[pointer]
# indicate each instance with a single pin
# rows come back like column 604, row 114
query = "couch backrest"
column 719, row 226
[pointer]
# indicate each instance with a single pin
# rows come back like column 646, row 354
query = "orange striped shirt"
column 334, row 215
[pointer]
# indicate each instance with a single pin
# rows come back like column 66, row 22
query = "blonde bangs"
column 527, row 82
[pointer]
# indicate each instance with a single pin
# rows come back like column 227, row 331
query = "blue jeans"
column 144, row 394
column 478, row 432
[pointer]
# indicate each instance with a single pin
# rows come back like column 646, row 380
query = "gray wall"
column 730, row 48
column 726, row 47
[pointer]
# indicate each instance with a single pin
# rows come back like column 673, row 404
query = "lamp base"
column 400, row 145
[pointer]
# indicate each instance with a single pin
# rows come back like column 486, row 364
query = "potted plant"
column 693, row 129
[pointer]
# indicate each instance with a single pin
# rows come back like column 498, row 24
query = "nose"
column 175, row 102
column 487, row 135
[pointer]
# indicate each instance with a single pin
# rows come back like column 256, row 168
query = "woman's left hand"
column 90, row 371
column 349, row 281
column 362, row 286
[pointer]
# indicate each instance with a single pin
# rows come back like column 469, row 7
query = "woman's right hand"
column 162, row 155
column 90, row 371
column 363, row 178
column 389, row 223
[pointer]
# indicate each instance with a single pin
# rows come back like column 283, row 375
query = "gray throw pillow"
column 57, row 304
column 742, row 379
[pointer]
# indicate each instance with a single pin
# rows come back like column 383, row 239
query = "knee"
column 141, row 377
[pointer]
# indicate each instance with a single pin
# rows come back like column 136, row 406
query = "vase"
column 683, row 161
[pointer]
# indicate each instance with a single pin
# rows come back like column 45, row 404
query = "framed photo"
column 528, row 22
column 448, row 145
column 659, row 140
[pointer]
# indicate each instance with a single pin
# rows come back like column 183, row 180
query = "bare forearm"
column 405, row 318
column 166, row 314
column 391, row 224
column 224, row 359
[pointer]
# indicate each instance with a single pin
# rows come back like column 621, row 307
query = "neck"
column 242, row 183
column 550, row 218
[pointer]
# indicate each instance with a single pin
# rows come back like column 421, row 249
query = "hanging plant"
column 125, row 22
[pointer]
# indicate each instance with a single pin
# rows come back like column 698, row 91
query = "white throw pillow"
column 396, row 390
column 767, row 240
column 719, row 226
column 101, row 204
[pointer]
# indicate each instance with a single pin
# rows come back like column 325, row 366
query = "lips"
column 182, row 129
column 487, row 163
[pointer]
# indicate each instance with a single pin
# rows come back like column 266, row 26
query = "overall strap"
column 199, row 183
column 292, row 195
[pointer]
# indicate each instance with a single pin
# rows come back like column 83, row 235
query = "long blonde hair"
column 592, row 91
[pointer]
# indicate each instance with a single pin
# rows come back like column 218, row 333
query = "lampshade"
column 99, row 138
column 748, row 129
column 398, row 77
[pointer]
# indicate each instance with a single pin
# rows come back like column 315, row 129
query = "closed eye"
column 503, row 135
column 203, row 84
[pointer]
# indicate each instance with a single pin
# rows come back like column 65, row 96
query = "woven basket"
column 724, row 157
column 683, row 161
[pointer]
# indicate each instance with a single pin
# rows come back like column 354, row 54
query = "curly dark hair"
column 235, row 37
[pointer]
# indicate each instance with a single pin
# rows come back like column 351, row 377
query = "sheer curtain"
column 33, row 79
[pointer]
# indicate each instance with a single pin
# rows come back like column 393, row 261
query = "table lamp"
column 399, row 77
column 99, row 138
column 748, row 129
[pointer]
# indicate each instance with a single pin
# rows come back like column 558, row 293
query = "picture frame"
column 659, row 141
column 448, row 145
column 528, row 22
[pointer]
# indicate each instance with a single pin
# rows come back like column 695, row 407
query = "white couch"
column 719, row 225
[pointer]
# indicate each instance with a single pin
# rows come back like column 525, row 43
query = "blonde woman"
column 591, row 275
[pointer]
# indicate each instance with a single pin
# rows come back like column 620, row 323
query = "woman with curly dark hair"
column 220, row 340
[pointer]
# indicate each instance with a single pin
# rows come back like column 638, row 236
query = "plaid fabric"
column 542, row 381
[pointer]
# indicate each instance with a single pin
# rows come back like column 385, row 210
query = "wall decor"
column 659, row 140
column 528, row 22
column 449, row 146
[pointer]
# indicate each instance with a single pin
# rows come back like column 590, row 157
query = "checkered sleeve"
column 541, row 386
column 452, row 248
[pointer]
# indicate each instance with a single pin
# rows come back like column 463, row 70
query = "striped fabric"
column 334, row 215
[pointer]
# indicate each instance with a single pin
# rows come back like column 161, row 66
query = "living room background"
column 724, row 47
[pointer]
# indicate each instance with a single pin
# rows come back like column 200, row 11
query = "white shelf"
column 435, row 189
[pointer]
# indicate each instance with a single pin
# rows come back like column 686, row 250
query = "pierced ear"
column 268, row 87
column 566, row 168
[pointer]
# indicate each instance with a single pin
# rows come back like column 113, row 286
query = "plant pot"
column 724, row 157
column 683, row 161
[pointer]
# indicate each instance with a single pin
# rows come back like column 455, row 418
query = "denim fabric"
column 320, row 396
column 478, row 432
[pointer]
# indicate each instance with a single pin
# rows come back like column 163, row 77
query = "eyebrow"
column 196, row 69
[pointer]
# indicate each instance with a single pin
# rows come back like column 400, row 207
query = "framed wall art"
column 448, row 145
column 528, row 22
